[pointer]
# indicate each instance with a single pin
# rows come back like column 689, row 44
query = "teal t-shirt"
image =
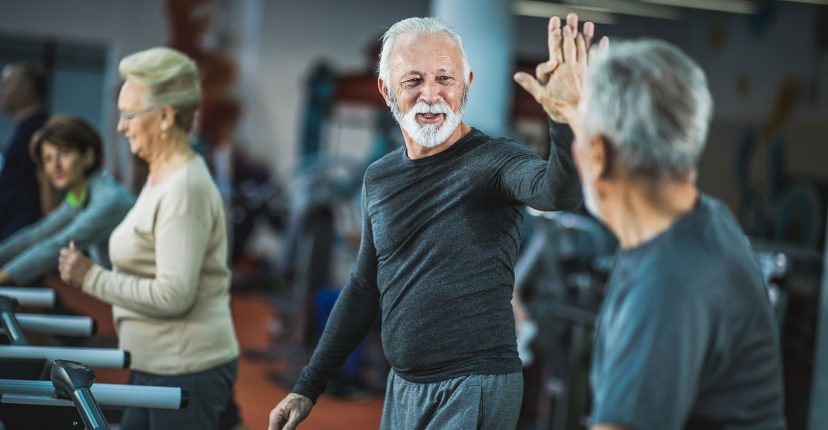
column 686, row 337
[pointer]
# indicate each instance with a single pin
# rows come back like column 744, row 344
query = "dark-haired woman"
column 70, row 153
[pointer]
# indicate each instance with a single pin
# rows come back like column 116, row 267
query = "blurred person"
column 686, row 337
column 23, row 93
column 441, row 231
column 170, row 284
column 70, row 153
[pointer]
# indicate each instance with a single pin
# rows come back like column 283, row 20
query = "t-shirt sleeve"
column 652, row 358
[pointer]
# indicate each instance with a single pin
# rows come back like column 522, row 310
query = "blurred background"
column 292, row 117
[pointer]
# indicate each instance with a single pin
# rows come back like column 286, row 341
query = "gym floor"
column 255, row 394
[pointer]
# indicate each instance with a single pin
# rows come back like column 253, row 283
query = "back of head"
column 171, row 77
column 24, row 85
column 69, row 132
column 427, row 25
column 651, row 103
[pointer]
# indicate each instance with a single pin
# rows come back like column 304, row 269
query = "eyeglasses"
column 126, row 116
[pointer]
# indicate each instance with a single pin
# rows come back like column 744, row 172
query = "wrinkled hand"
column 290, row 412
column 73, row 265
column 558, row 82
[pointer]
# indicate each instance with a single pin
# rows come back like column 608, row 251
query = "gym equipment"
column 560, row 276
column 73, row 380
column 64, row 325
column 10, row 325
column 94, row 357
column 72, row 384
column 30, row 297
column 13, row 324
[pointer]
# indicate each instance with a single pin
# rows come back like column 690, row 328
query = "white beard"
column 428, row 135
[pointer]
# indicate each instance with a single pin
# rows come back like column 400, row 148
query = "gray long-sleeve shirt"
column 439, row 244
column 33, row 252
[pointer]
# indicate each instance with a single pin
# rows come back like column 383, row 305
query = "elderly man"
column 686, row 337
column 441, row 231
column 23, row 97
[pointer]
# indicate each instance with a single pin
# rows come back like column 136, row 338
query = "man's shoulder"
column 389, row 161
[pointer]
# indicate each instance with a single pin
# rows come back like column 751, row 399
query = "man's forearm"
column 564, row 177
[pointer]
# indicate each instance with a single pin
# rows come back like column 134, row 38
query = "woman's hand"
column 73, row 265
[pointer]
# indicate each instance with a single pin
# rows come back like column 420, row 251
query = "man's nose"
column 431, row 92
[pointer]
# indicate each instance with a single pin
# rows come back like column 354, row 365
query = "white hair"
column 427, row 25
column 651, row 103
column 171, row 77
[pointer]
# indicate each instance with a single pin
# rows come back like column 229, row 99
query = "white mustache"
column 423, row 107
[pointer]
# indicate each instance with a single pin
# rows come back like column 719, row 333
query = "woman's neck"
column 176, row 154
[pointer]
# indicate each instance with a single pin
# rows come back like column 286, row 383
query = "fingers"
column 554, row 39
column 72, row 245
column 292, row 422
column 589, row 33
column 277, row 419
column 604, row 43
column 581, row 49
column 543, row 70
column 572, row 22
column 569, row 49
column 529, row 83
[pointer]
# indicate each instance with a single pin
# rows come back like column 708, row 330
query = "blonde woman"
column 169, row 283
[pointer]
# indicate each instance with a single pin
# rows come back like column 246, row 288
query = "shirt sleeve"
column 352, row 317
column 653, row 355
column 90, row 226
column 18, row 253
column 181, row 241
column 544, row 185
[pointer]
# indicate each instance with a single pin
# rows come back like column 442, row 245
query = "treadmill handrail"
column 116, row 395
column 93, row 357
column 31, row 297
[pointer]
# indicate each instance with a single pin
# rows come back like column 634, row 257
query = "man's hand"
column 290, row 412
column 73, row 265
column 558, row 82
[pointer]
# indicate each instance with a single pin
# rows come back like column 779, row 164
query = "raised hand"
column 290, row 412
column 558, row 81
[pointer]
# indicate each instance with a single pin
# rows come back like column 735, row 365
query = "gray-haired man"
column 440, row 238
column 686, row 337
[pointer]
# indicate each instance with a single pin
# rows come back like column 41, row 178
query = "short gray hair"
column 427, row 25
column 172, row 79
column 651, row 103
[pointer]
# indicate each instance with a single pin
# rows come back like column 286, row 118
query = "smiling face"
column 426, row 89
column 63, row 166
column 143, row 128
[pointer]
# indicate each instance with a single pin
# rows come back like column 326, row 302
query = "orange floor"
column 255, row 394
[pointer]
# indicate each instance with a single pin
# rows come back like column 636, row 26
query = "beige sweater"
column 169, row 284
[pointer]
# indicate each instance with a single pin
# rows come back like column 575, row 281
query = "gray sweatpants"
column 474, row 402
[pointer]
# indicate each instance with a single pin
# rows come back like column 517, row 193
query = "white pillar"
column 486, row 29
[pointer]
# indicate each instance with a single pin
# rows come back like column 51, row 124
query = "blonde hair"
column 171, row 77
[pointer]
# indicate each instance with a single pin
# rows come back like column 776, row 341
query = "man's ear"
column 600, row 157
column 383, row 89
column 471, row 78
